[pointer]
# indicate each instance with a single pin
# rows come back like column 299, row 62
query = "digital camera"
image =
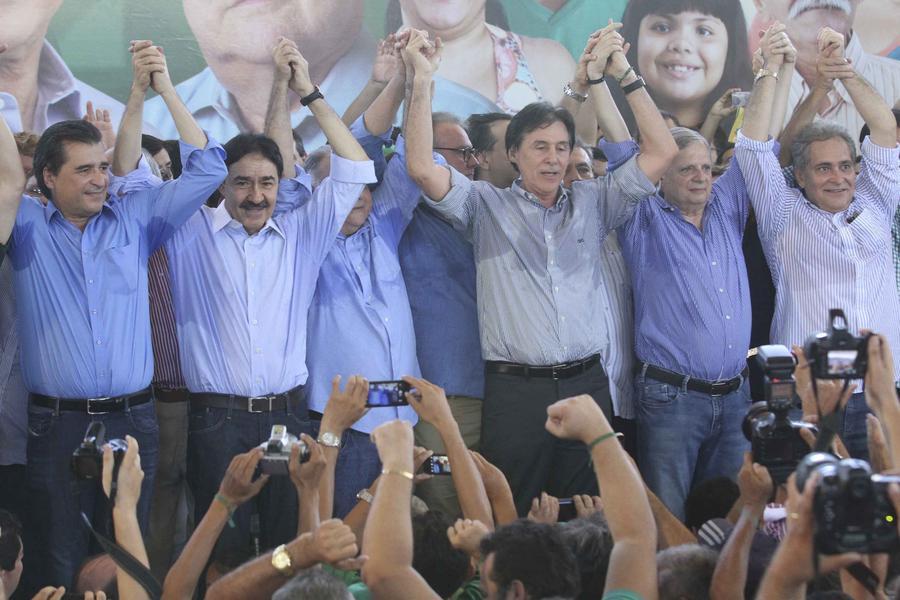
column 277, row 451
column 774, row 438
column 852, row 509
column 87, row 460
column 837, row 353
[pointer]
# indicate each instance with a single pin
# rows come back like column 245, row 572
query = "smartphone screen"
column 438, row 464
column 387, row 393
column 566, row 510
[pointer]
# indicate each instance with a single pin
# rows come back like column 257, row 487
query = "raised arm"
column 388, row 539
column 236, row 488
column 278, row 118
column 585, row 120
column 606, row 113
column 306, row 477
column 384, row 68
column 632, row 564
column 805, row 113
column 188, row 129
column 721, row 109
column 146, row 62
column 432, row 407
column 783, row 87
column 433, row 179
column 380, row 115
column 339, row 137
column 12, row 181
column 758, row 115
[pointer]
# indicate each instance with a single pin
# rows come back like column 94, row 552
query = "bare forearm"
column 326, row 483
column 473, row 499
column 874, row 110
column 258, row 578
column 127, row 151
column 12, row 181
column 657, row 145
column 776, row 585
column 710, row 126
column 278, row 125
column 379, row 117
column 504, row 507
column 803, row 115
column 671, row 531
column 890, row 421
column 339, row 137
column 388, row 534
column 607, row 115
column 362, row 102
column 730, row 575
column 128, row 536
column 188, row 130
column 308, row 510
column 185, row 573
column 757, row 117
column 782, row 93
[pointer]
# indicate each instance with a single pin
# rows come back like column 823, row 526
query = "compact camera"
column 774, row 438
column 852, row 509
column 836, row 353
column 437, row 464
column 87, row 460
column 277, row 451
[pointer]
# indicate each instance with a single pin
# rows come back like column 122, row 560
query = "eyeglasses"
column 467, row 152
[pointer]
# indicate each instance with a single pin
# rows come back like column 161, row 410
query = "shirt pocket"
column 121, row 268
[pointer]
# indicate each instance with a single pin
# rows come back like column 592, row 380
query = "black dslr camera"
column 87, row 460
column 277, row 451
column 774, row 438
column 852, row 509
column 836, row 353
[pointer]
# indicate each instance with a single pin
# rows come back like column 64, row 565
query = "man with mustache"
column 232, row 93
column 243, row 276
column 804, row 19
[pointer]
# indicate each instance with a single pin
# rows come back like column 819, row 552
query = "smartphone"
column 437, row 464
column 566, row 510
column 739, row 99
column 387, row 393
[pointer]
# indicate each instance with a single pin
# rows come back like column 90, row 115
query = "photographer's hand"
column 755, row 484
column 466, row 535
column 130, row 476
column 544, row 509
column 344, row 408
column 238, row 485
column 306, row 477
column 881, row 393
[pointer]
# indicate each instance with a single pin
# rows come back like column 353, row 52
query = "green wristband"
column 603, row 438
column 228, row 506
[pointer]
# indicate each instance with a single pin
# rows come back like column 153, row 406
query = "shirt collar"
column 560, row 200
column 56, row 84
column 51, row 209
column 221, row 219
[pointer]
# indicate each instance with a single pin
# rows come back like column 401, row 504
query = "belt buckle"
column 257, row 412
column 99, row 412
column 556, row 372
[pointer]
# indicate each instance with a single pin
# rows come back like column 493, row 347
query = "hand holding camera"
column 755, row 483
column 430, row 403
column 544, row 509
column 306, row 474
column 344, row 408
column 129, row 477
column 277, row 452
column 238, row 485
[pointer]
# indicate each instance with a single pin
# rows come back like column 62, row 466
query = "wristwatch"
column 764, row 72
column 571, row 93
column 365, row 495
column 326, row 438
column 314, row 95
column 281, row 560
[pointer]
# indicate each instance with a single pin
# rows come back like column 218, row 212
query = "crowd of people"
column 560, row 300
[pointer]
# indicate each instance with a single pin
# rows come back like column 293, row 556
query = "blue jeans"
column 686, row 437
column 357, row 467
column 56, row 540
column 215, row 436
column 853, row 430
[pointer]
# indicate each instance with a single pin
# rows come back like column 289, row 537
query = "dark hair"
column 711, row 499
column 173, row 147
column 737, row 72
column 667, row 115
column 442, row 566
column 298, row 143
column 598, row 154
column 865, row 128
column 151, row 144
column 10, row 540
column 591, row 543
column 253, row 143
column 494, row 14
column 534, row 554
column 313, row 584
column 51, row 148
column 537, row 115
column 478, row 127
column 685, row 572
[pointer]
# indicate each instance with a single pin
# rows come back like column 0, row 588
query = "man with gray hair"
column 691, row 320
column 828, row 243
column 313, row 584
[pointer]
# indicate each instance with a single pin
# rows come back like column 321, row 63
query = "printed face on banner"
column 443, row 16
column 22, row 20
column 805, row 18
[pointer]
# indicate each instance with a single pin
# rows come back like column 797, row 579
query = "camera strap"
column 127, row 561
column 828, row 424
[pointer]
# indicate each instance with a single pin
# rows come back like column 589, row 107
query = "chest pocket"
column 119, row 268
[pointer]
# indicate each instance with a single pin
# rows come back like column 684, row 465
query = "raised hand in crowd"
column 387, row 66
column 466, row 535
column 237, row 487
column 730, row 575
column 59, row 593
column 99, row 118
column 124, row 513
column 632, row 563
column 388, row 539
column 12, row 182
column 586, row 505
column 306, row 477
column 544, row 509
column 881, row 394
column 721, row 109
column 498, row 491
column 430, row 403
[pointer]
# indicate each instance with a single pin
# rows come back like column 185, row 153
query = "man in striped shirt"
column 829, row 242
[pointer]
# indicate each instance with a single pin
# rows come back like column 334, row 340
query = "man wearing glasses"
column 452, row 142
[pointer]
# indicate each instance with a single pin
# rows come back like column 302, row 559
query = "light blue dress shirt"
column 241, row 301
column 360, row 321
column 83, row 308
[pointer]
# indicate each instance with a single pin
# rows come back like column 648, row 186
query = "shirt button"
column 386, row 319
column 556, row 288
column 98, row 342
column 259, row 350
column 90, row 281
column 255, row 322
column 552, row 262
column 563, row 317
column 549, row 237
column 727, row 317
column 729, row 346
column 253, row 264
column 93, row 311
column 714, row 263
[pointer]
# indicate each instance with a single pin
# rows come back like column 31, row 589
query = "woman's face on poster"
column 441, row 15
column 682, row 56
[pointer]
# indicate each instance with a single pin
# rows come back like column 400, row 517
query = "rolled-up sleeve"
column 879, row 176
column 293, row 192
column 458, row 206
column 617, row 152
column 372, row 143
column 769, row 194
column 618, row 193
column 141, row 178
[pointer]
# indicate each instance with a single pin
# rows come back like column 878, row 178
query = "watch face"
column 281, row 560
column 329, row 439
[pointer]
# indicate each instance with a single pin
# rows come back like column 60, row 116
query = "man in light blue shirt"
column 80, row 265
column 360, row 321
column 243, row 276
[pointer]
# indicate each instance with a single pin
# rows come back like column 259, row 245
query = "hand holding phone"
column 437, row 464
column 387, row 393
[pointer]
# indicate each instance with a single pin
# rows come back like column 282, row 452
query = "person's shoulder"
column 547, row 57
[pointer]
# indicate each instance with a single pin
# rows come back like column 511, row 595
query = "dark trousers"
column 56, row 541
column 514, row 439
column 215, row 436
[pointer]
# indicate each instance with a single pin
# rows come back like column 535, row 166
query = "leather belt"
column 713, row 388
column 93, row 406
column 563, row 371
column 251, row 404
column 171, row 395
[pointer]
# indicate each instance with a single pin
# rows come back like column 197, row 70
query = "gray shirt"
column 539, row 269
column 13, row 396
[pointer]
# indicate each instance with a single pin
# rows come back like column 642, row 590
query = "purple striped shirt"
column 166, row 361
